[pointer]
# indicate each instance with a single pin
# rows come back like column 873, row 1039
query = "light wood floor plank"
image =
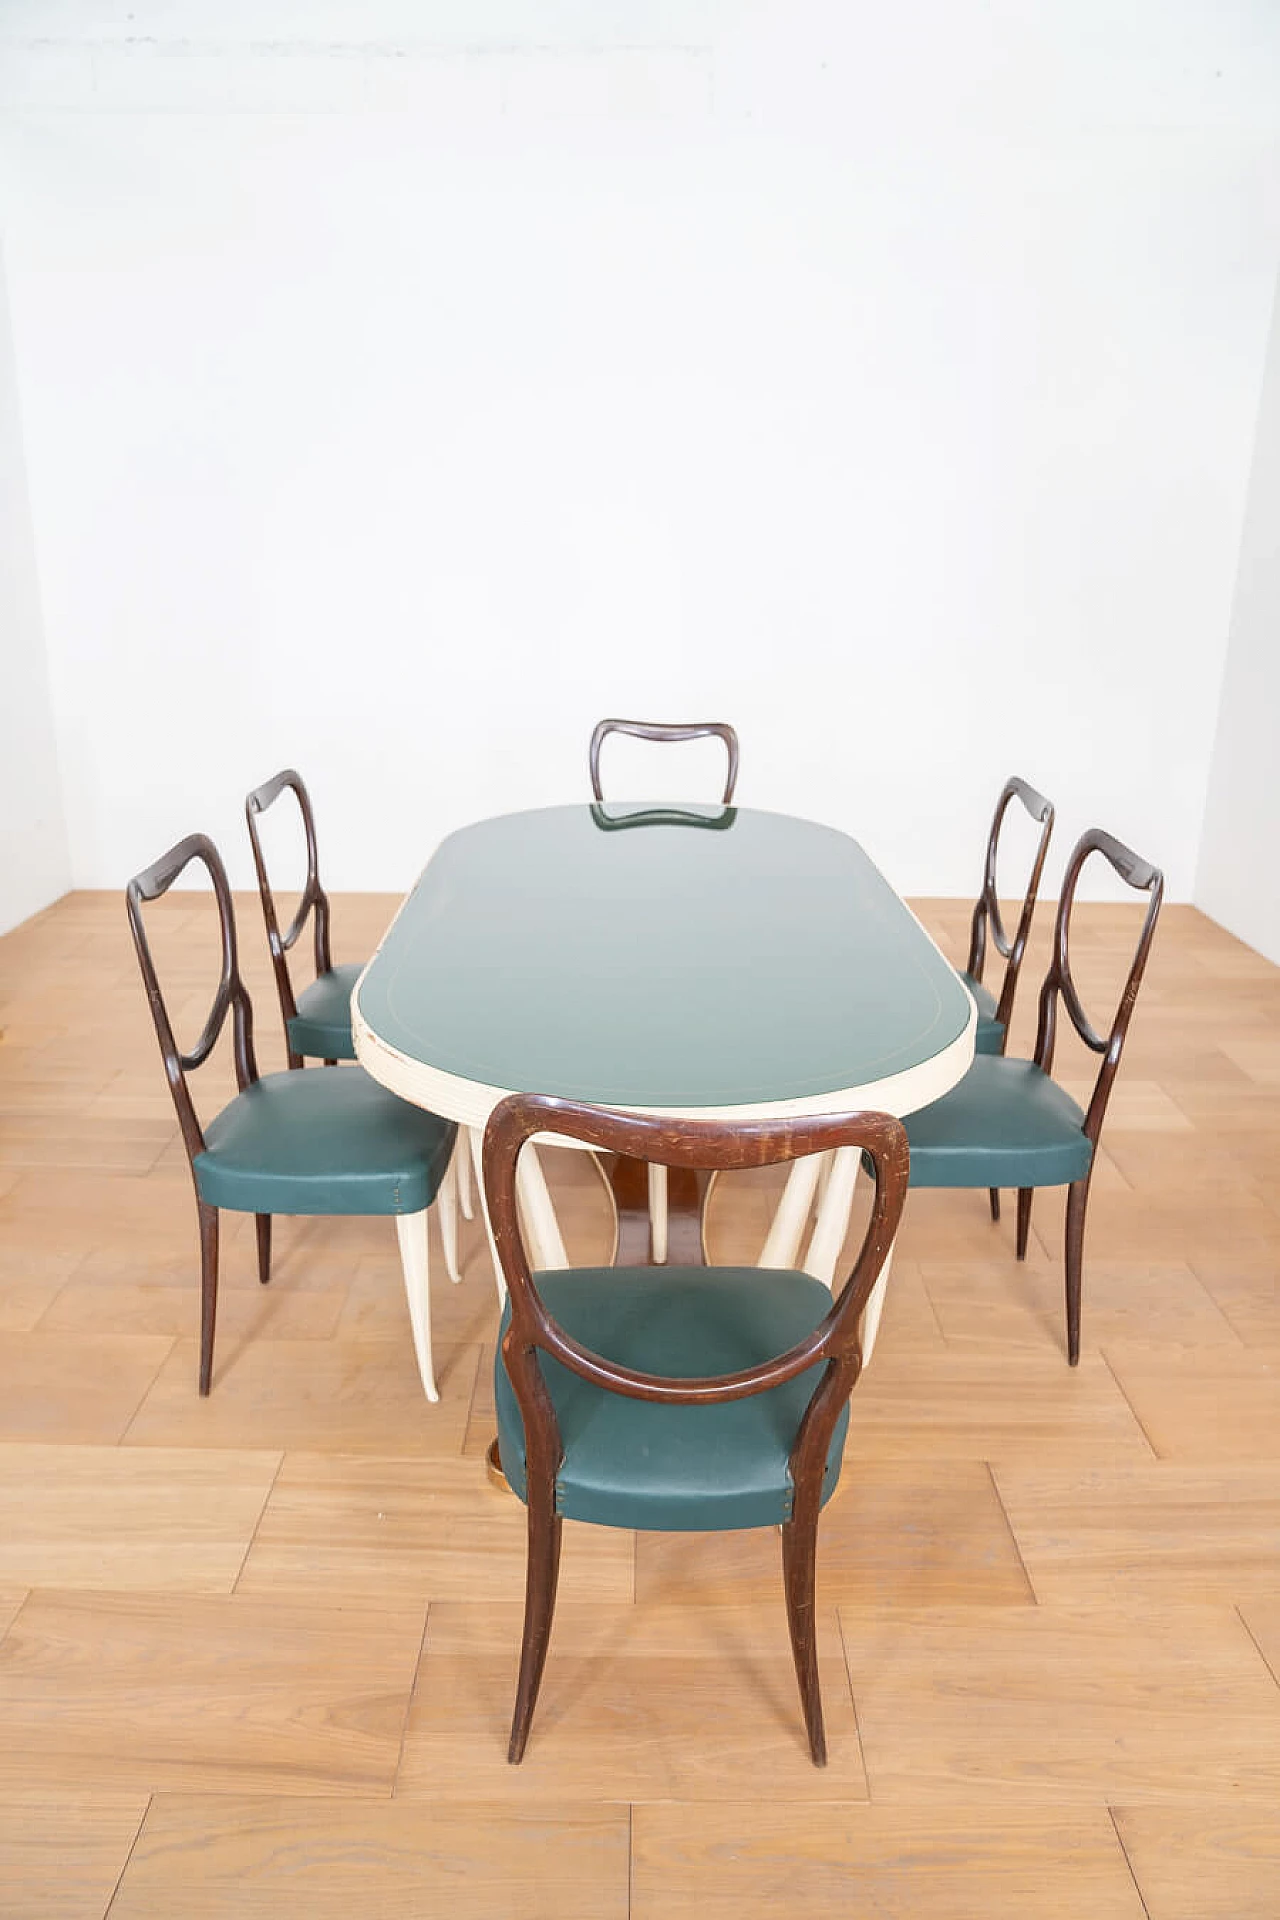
column 981, row 1406
column 265, row 1859
column 61, row 1857
column 129, row 1518
column 1063, row 1706
column 757, row 1860
column 74, row 1387
column 1116, row 1534
column 1212, row 1863
column 229, row 1695
column 1213, row 1405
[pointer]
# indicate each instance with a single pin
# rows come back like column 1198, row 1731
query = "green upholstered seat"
column 989, row 1037
column 637, row 1463
column 1006, row 1124
column 321, row 1028
column 317, row 1141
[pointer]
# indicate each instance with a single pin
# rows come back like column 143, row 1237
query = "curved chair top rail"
column 661, row 817
column 711, row 1145
column 988, row 904
column 661, row 730
column 231, row 994
column 1143, row 878
column 313, row 894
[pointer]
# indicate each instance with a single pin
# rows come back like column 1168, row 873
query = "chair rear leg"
column 993, row 1194
column 1024, row 1219
column 208, row 1289
column 542, row 1573
column 1077, row 1202
column 799, row 1560
column 263, row 1223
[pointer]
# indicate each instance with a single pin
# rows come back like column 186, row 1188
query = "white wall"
column 35, row 862
column 1238, row 879
column 881, row 379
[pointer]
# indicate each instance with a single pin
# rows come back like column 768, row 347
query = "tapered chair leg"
column 799, row 1558
column 208, row 1290
column 542, row 1572
column 993, row 1194
column 1024, row 1219
column 1077, row 1202
column 263, row 1223
column 411, row 1230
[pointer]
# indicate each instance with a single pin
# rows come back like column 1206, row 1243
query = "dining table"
column 697, row 962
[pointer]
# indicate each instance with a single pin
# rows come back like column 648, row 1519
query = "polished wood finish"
column 314, row 899
column 231, row 998
column 987, row 912
column 1125, row 1755
column 836, row 1340
column 662, row 730
column 1059, row 984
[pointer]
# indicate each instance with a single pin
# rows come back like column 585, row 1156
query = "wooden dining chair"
column 302, row 1143
column 1007, row 1123
column 678, row 1398
column 317, row 1021
column 656, row 730
column 993, row 1014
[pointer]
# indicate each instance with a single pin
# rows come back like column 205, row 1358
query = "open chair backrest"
column 231, row 996
column 701, row 1144
column 314, row 898
column 1144, row 878
column 987, row 909
column 655, row 730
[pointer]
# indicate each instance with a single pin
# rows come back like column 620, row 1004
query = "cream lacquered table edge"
column 829, row 1178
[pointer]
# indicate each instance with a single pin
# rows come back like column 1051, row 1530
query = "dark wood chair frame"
column 656, row 730
column 1059, row 984
column 314, row 898
column 987, row 910
column 836, row 1340
column 231, row 998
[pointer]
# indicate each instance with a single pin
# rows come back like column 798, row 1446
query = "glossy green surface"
column 719, row 958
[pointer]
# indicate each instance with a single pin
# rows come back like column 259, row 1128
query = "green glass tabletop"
column 660, row 956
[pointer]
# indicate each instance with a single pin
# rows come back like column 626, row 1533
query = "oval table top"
column 714, row 962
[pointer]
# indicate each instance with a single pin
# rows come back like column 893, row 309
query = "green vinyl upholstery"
column 989, row 1037
column 1006, row 1124
column 322, row 1142
column 321, row 1028
column 638, row 1463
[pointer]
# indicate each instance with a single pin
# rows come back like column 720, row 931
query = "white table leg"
column 475, row 1141
column 546, row 1247
column 832, row 1223
column 447, row 1208
column 465, row 1149
column 874, row 1308
column 782, row 1247
column 411, row 1230
column 658, row 1212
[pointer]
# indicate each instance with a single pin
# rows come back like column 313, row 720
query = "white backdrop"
column 882, row 380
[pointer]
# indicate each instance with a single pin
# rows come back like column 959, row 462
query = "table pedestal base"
column 686, row 1193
